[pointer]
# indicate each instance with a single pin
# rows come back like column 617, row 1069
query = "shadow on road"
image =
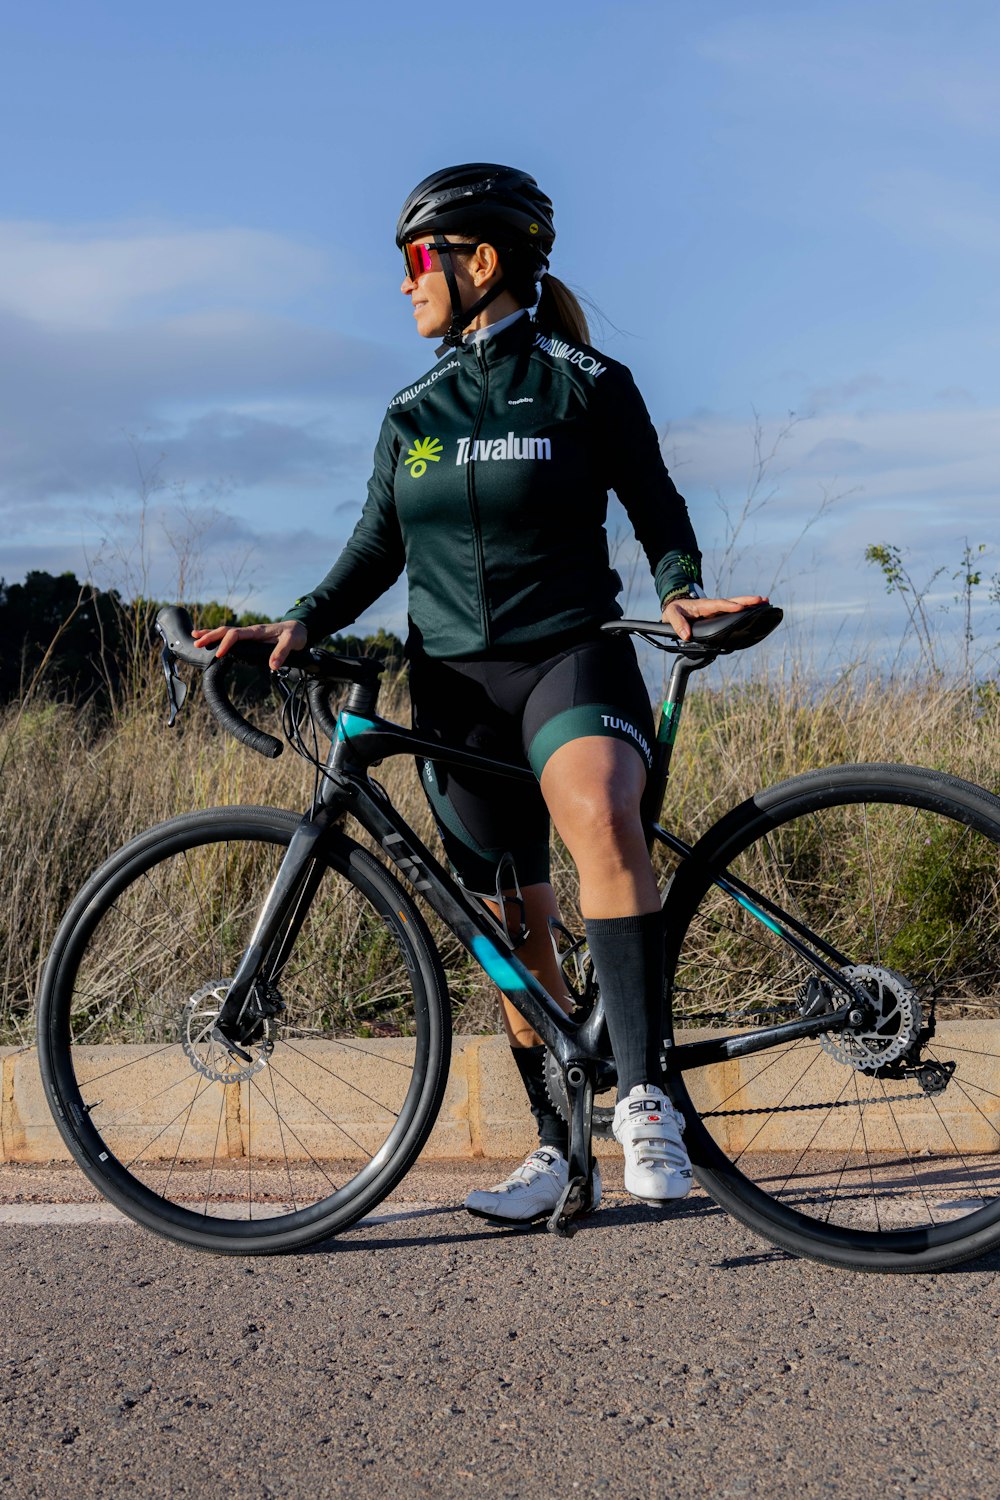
column 371, row 1236
column 464, row 1230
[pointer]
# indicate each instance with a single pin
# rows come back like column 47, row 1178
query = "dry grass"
column 72, row 791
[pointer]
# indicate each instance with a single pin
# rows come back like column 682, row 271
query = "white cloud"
column 86, row 279
column 900, row 457
column 922, row 480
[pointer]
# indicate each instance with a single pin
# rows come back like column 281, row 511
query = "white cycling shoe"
column 530, row 1192
column 649, row 1128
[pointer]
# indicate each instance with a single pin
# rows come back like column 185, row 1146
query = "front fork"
column 279, row 922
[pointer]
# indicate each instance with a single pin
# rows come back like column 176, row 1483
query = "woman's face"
column 429, row 294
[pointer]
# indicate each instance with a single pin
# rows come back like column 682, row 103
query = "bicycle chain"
column 784, row 1109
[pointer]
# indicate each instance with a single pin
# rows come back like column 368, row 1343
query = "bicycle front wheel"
column 331, row 1099
column 877, row 1147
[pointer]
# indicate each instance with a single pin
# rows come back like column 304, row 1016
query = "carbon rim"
column 341, row 1090
column 898, row 871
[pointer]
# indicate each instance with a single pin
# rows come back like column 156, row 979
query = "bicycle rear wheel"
column 334, row 1096
column 877, row 1148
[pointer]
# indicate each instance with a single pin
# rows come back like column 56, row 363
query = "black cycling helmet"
column 478, row 197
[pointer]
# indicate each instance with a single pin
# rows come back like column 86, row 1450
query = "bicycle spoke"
column 281, row 1132
column 916, row 1183
column 943, row 863
column 847, row 1158
column 215, row 1148
column 328, row 1118
column 187, row 1121
column 871, row 882
column 788, row 1092
column 806, row 1147
column 298, row 1139
column 744, row 1084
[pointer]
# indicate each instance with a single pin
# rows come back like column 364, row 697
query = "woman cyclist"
column 490, row 489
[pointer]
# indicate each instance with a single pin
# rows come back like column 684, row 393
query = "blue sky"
column 779, row 209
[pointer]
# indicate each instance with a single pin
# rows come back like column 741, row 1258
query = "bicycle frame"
column 364, row 739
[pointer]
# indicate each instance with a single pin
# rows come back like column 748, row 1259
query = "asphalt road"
column 426, row 1354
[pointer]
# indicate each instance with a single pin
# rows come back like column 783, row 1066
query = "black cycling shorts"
column 520, row 708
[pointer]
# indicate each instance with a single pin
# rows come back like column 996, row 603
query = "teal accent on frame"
column 499, row 968
column 670, row 718
column 755, row 912
column 349, row 725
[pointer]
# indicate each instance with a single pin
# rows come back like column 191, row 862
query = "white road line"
column 61, row 1213
column 42, row 1214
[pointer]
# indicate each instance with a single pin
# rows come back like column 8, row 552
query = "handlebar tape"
column 319, row 702
column 174, row 624
column 231, row 719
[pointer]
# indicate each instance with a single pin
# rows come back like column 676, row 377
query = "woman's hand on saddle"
column 679, row 613
column 287, row 636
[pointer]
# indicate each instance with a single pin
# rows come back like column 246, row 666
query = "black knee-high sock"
column 628, row 958
column 552, row 1129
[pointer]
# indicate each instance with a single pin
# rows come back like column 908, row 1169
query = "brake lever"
column 176, row 686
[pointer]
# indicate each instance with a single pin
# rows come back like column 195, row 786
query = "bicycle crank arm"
column 578, row 1195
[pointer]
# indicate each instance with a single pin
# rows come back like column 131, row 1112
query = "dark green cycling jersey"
column 491, row 487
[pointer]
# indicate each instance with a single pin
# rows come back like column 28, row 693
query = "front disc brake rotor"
column 206, row 1053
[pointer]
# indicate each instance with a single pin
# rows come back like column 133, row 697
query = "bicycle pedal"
column 575, row 1200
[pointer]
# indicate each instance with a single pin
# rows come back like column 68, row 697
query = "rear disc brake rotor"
column 892, row 1032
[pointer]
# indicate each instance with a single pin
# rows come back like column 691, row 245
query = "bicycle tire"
column 816, row 1145
column 288, row 1146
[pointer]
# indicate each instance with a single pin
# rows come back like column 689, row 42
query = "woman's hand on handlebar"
column 680, row 612
column 287, row 636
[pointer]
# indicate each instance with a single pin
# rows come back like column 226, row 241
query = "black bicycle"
column 244, row 1025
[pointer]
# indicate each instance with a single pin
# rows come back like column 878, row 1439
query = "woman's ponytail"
column 558, row 311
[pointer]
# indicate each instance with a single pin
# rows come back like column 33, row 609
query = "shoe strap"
column 538, row 1161
column 648, row 1143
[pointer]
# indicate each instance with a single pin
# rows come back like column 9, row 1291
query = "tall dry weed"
column 73, row 790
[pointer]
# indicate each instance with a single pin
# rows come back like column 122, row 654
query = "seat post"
column 666, row 734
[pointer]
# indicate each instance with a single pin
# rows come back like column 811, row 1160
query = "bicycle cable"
column 295, row 700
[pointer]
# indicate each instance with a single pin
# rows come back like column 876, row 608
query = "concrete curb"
column 484, row 1114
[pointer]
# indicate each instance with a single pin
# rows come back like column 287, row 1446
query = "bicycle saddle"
column 735, row 632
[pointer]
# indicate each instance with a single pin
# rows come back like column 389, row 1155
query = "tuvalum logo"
column 424, row 451
column 614, row 722
column 487, row 450
column 560, row 350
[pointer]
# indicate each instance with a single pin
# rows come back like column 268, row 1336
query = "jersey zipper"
column 470, row 480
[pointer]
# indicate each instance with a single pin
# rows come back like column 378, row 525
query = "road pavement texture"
column 424, row 1353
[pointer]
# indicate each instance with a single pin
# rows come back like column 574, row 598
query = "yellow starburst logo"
column 424, row 451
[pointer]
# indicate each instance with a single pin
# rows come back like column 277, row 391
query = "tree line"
column 87, row 645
